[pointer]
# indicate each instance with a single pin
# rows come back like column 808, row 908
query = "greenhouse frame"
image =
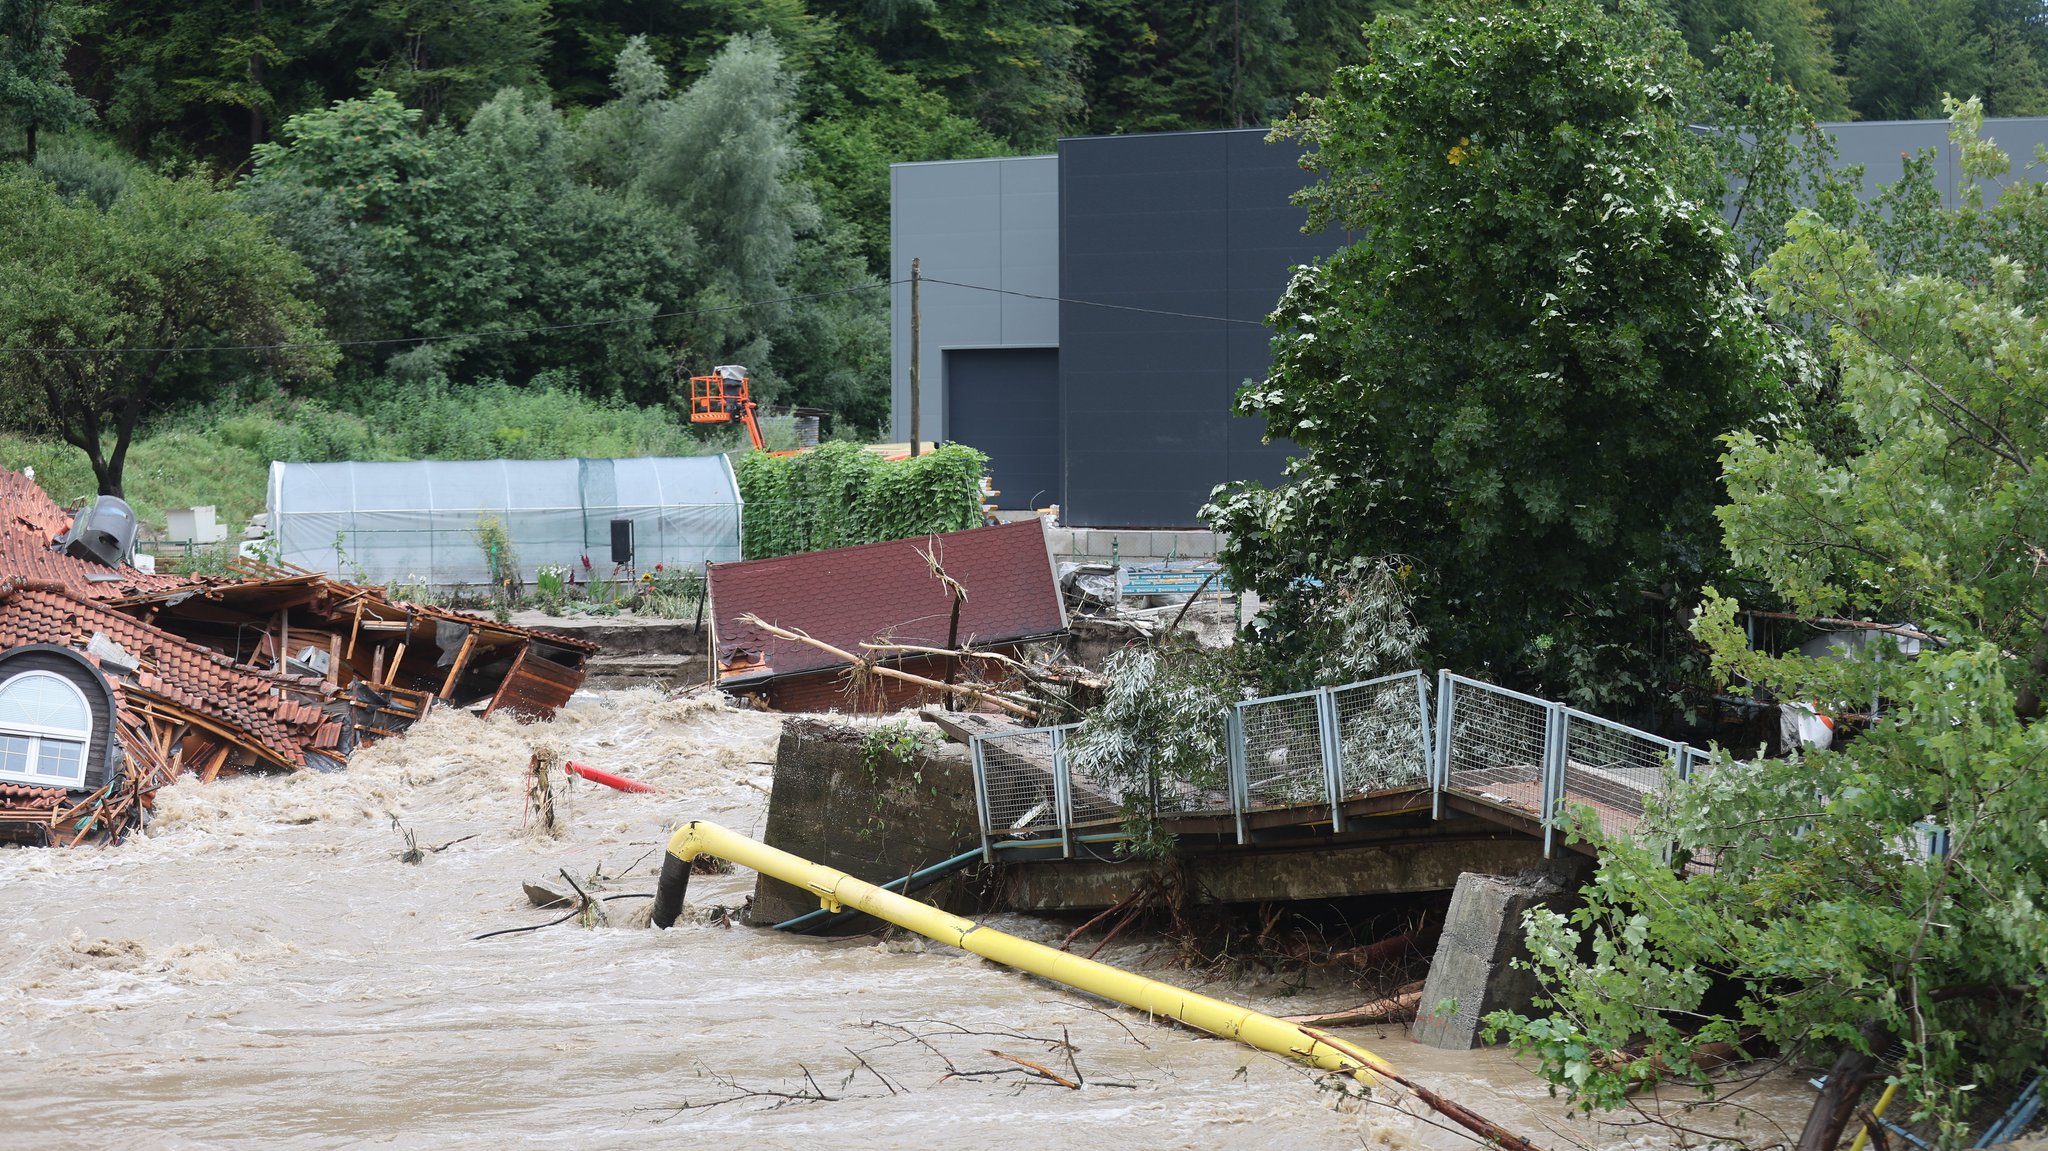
column 425, row 522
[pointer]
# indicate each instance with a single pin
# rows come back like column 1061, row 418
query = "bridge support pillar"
column 1473, row 972
column 863, row 811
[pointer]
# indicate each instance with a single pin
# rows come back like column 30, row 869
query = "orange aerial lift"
column 721, row 398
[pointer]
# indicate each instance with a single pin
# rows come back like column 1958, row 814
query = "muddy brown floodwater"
column 262, row 970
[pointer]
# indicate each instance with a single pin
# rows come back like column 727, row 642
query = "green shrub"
column 842, row 494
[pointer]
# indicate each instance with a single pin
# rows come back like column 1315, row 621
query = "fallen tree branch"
column 1079, row 677
column 1450, row 1109
column 974, row 694
column 1038, row 1069
column 1391, row 1009
column 1183, row 612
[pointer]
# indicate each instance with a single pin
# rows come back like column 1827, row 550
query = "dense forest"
column 599, row 196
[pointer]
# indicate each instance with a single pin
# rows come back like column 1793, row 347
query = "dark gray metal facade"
column 1198, row 223
column 1005, row 402
column 1190, row 222
column 992, row 225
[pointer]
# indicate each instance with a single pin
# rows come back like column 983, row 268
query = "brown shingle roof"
column 885, row 591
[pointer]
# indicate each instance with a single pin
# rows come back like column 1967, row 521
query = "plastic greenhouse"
column 421, row 522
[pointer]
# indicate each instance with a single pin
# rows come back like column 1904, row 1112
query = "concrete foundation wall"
column 878, row 823
column 1474, row 970
column 1243, row 875
column 1128, row 546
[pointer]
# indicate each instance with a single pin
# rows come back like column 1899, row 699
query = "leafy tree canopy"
column 1516, row 374
column 35, row 93
column 1893, row 889
column 169, row 270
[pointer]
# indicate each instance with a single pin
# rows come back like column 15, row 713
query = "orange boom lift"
column 721, row 398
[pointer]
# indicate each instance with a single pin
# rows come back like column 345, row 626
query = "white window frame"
column 36, row 733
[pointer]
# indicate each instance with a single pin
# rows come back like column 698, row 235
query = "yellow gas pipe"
column 837, row 891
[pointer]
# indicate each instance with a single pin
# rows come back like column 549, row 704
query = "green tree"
column 1908, row 54
column 107, row 316
column 724, row 156
column 35, row 94
column 1012, row 66
column 1517, row 374
column 449, row 56
column 1169, row 65
column 1797, row 34
column 1894, row 889
column 211, row 76
column 864, row 116
column 479, row 252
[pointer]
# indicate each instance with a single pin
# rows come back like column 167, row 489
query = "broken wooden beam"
column 972, row 693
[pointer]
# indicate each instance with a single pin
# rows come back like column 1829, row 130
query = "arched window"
column 45, row 727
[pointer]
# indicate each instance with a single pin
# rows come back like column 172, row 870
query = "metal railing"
column 1319, row 749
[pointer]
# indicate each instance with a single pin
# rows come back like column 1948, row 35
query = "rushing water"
column 263, row 970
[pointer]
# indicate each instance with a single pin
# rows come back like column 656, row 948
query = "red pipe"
column 605, row 777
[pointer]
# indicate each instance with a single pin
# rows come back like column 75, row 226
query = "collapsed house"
column 114, row 680
column 878, row 602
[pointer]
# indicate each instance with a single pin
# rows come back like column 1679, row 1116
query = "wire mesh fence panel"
column 1382, row 734
column 1283, row 751
column 1093, row 797
column 1613, row 769
column 1110, row 771
column 1018, row 770
column 1495, row 744
column 1200, row 783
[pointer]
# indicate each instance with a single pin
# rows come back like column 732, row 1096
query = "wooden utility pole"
column 916, row 399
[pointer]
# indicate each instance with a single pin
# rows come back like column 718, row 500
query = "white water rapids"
column 261, row 970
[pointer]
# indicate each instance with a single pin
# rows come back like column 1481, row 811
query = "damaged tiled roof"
column 23, row 797
column 33, row 521
column 196, row 679
column 886, row 592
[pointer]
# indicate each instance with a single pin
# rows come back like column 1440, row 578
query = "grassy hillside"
column 221, row 454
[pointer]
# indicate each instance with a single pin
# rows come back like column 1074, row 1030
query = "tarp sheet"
column 418, row 522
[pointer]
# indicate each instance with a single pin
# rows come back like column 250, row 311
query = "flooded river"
column 262, row 969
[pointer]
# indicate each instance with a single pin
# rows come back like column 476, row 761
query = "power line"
column 1096, row 303
column 485, row 334
column 534, row 329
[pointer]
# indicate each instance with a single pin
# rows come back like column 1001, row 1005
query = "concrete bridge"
column 1373, row 763
column 1394, row 786
column 1383, row 787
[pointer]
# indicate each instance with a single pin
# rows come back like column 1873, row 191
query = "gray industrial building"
column 1088, row 316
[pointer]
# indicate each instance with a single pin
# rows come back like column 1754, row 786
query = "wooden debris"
column 973, row 693
column 1399, row 1007
column 1450, row 1109
column 540, row 790
column 1038, row 1069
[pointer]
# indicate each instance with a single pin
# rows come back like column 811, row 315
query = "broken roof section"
column 883, row 592
column 270, row 669
column 30, row 521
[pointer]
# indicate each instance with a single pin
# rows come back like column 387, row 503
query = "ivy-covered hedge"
column 842, row 494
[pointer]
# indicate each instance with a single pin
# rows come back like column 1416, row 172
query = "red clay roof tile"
column 30, row 521
column 24, row 797
column 195, row 678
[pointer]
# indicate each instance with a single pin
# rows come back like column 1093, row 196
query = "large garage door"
column 1005, row 402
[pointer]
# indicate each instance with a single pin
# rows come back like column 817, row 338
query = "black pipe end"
column 668, row 894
